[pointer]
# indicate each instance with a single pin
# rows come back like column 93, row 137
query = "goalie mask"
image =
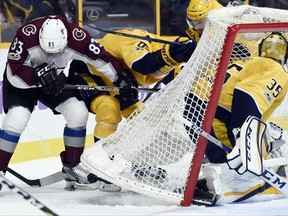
column 274, row 45
column 198, row 10
column 53, row 36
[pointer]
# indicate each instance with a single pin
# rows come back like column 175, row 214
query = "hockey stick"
column 268, row 175
column 106, row 88
column 129, row 35
column 33, row 201
column 47, row 180
column 154, row 87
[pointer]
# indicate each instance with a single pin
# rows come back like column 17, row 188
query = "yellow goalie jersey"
column 254, row 87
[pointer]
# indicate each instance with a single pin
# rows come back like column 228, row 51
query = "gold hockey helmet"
column 199, row 9
column 274, row 45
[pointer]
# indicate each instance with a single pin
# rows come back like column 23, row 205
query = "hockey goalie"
column 242, row 177
column 254, row 87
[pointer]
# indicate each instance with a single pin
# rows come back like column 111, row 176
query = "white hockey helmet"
column 53, row 36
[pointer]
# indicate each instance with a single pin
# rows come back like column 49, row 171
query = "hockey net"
column 156, row 140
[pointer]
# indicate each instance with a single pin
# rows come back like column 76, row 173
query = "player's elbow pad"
column 150, row 63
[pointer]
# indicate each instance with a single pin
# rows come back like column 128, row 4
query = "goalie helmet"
column 274, row 45
column 53, row 36
column 199, row 9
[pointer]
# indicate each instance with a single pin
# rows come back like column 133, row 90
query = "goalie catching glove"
column 173, row 54
column 49, row 81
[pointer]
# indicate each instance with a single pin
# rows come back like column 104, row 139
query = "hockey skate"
column 149, row 173
column 202, row 196
column 78, row 177
column 81, row 178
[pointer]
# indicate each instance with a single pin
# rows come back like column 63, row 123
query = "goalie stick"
column 44, row 181
column 106, row 88
column 33, row 201
column 268, row 175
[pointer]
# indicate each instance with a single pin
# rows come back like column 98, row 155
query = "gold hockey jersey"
column 130, row 50
column 254, row 87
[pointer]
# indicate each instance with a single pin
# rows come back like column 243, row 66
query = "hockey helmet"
column 53, row 35
column 199, row 9
column 274, row 45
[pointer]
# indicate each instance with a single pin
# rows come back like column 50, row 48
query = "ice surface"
column 95, row 202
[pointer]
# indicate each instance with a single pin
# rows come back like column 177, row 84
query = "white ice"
column 94, row 202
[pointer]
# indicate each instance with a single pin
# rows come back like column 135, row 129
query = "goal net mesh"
column 155, row 151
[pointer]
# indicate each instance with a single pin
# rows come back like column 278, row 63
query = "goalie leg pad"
column 232, row 187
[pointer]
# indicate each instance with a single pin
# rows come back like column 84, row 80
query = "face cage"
column 198, row 25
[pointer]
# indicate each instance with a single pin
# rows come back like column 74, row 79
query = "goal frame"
column 232, row 32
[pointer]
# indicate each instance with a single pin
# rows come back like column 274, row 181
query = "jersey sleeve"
column 90, row 51
column 140, row 57
column 19, row 69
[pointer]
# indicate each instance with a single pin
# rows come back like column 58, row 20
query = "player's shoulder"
column 262, row 64
column 268, row 62
column 261, row 61
column 29, row 33
column 78, row 38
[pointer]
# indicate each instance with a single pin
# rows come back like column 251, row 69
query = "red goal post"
column 154, row 138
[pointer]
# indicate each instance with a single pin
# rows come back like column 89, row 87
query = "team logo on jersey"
column 78, row 34
column 140, row 46
column 29, row 29
column 14, row 56
column 268, row 96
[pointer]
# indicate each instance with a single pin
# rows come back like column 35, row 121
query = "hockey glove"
column 126, row 80
column 49, row 81
column 174, row 54
column 274, row 136
column 125, row 103
column 234, row 159
column 128, row 93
